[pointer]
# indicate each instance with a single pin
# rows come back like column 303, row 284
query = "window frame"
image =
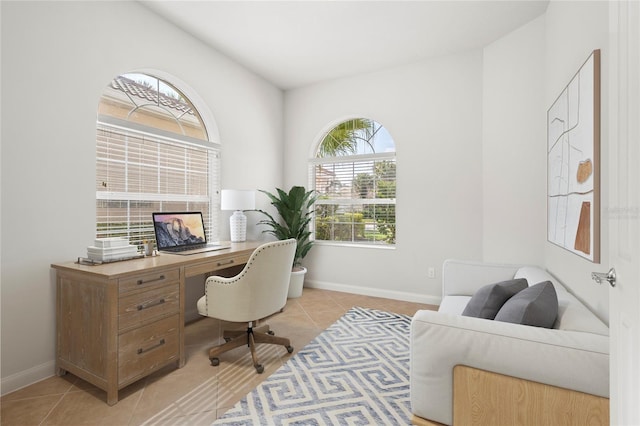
column 315, row 161
column 125, row 129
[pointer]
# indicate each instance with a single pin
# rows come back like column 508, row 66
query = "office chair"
column 258, row 291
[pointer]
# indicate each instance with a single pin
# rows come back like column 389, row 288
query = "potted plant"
column 295, row 213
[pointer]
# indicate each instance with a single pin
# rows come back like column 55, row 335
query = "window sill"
column 353, row 245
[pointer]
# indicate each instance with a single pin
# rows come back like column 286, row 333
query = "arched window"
column 152, row 154
column 354, row 174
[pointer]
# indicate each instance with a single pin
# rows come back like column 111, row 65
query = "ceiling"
column 297, row 43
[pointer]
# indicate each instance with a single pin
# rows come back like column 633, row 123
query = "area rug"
column 354, row 372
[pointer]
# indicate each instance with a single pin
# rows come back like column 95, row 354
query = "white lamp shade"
column 235, row 199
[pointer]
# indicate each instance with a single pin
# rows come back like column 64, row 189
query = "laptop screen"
column 178, row 229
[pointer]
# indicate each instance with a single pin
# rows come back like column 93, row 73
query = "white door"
column 624, row 210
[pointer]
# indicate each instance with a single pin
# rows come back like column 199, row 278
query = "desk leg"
column 112, row 395
column 182, row 358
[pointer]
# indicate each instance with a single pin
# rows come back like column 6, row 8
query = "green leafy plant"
column 295, row 213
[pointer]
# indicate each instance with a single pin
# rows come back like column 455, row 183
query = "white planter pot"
column 296, row 282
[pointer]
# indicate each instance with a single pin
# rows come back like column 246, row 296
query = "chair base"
column 250, row 336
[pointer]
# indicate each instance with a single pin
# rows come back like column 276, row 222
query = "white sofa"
column 573, row 355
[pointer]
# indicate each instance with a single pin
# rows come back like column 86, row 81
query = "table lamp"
column 237, row 200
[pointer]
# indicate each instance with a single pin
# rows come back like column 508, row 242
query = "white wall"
column 573, row 30
column 56, row 59
column 524, row 72
column 433, row 110
column 514, row 147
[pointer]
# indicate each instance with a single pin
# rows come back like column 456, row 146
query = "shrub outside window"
column 152, row 154
column 354, row 174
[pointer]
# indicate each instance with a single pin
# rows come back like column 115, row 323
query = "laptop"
column 182, row 233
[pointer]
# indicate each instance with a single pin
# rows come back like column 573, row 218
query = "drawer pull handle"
column 160, row 278
column 230, row 262
column 141, row 351
column 150, row 305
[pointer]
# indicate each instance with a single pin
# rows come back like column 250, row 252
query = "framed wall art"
column 573, row 164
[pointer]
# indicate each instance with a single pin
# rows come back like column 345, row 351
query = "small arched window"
column 153, row 154
column 354, row 174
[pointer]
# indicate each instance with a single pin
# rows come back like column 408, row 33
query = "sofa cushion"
column 487, row 301
column 536, row 306
column 454, row 304
column 574, row 316
column 535, row 274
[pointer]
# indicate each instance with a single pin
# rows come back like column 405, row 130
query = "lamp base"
column 238, row 227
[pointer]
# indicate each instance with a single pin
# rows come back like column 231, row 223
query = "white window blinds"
column 357, row 198
column 138, row 173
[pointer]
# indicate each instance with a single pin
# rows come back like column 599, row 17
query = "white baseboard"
column 375, row 292
column 27, row 377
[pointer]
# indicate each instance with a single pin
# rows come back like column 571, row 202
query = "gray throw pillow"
column 536, row 305
column 487, row 300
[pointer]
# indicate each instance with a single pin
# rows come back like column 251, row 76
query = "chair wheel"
column 227, row 339
column 259, row 368
column 214, row 361
column 271, row 332
column 289, row 349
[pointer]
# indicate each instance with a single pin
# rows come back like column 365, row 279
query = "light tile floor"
column 198, row 393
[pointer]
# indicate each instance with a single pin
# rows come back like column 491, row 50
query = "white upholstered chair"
column 258, row 291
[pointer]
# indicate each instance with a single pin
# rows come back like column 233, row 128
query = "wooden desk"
column 119, row 322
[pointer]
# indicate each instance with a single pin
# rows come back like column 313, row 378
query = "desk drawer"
column 216, row 264
column 137, row 308
column 147, row 348
column 153, row 279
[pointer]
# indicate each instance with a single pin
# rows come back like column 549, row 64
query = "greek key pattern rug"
column 354, row 372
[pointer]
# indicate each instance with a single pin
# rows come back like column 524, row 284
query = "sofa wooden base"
column 419, row 421
column 484, row 398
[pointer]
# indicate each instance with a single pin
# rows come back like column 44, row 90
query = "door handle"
column 609, row 276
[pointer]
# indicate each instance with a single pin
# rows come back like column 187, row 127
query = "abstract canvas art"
column 573, row 164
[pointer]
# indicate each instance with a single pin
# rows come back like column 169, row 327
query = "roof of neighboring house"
column 142, row 91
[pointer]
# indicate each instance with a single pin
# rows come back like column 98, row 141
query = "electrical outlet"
column 431, row 272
